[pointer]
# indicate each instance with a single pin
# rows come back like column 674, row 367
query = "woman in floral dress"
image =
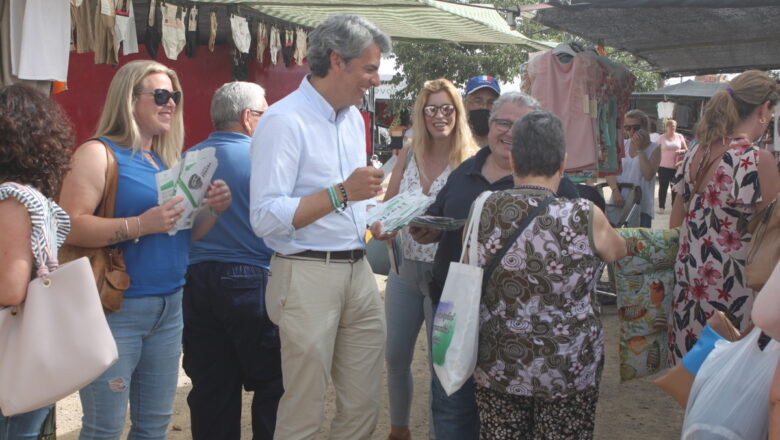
column 724, row 181
column 541, row 345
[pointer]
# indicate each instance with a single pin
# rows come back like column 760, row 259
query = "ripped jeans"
column 148, row 333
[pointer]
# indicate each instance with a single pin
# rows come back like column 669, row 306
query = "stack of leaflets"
column 190, row 178
column 397, row 212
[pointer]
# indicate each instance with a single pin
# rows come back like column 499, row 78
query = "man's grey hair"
column 644, row 120
column 347, row 35
column 232, row 99
column 519, row 99
column 538, row 144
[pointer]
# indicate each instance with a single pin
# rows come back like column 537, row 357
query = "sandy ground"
column 633, row 410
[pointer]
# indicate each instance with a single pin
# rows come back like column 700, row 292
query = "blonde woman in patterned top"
column 35, row 146
column 541, row 345
column 440, row 143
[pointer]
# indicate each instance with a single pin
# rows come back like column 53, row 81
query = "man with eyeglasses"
column 229, row 341
column 481, row 92
column 455, row 417
column 640, row 164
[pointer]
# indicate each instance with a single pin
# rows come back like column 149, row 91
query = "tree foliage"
column 419, row 62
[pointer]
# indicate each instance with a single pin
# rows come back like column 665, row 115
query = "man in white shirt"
column 308, row 194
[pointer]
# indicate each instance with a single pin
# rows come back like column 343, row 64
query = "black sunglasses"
column 161, row 96
column 632, row 127
column 431, row 110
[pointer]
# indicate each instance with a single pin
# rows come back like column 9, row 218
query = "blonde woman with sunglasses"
column 440, row 142
column 141, row 124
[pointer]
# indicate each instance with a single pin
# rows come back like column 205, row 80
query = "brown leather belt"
column 353, row 255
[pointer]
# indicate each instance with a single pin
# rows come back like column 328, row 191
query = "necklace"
column 537, row 187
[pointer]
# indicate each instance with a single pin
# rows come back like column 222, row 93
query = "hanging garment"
column 665, row 110
column 262, row 40
column 152, row 34
column 287, row 47
column 240, row 66
column 124, row 29
column 40, row 39
column 275, row 44
column 105, row 34
column 173, row 30
column 300, row 46
column 240, row 30
column 82, row 21
column 6, row 77
column 213, row 30
column 192, row 32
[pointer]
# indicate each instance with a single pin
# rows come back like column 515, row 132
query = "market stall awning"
column 690, row 88
column 677, row 36
column 410, row 20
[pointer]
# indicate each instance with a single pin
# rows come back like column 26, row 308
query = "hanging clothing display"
column 81, row 12
column 40, row 39
column 262, row 40
column 240, row 30
column 152, row 34
column 287, row 47
column 173, row 30
column 124, row 28
column 300, row 46
column 6, row 77
column 240, row 69
column 212, row 30
column 665, row 110
column 105, row 34
column 274, row 44
column 192, row 32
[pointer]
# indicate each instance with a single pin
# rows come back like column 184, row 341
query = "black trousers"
column 229, row 342
column 665, row 176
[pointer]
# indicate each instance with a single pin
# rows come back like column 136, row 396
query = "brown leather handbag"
column 108, row 264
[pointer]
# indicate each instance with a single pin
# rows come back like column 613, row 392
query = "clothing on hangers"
column 152, row 35
column 105, row 34
column 124, row 29
column 275, row 44
column 82, row 21
column 173, row 38
column 665, row 110
column 287, row 47
column 240, row 31
column 191, row 34
column 212, row 30
column 300, row 46
column 262, row 40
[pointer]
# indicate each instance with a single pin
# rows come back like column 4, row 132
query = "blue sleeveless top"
column 158, row 262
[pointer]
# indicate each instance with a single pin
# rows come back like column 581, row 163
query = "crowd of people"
column 270, row 290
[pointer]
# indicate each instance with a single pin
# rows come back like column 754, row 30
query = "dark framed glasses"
column 161, row 96
column 445, row 109
column 632, row 127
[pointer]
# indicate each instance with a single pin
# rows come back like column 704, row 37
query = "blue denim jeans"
column 148, row 332
column 23, row 426
column 455, row 417
column 407, row 305
column 229, row 342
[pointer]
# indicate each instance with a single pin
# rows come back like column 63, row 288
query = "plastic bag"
column 729, row 398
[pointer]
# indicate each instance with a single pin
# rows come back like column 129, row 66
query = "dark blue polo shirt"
column 454, row 200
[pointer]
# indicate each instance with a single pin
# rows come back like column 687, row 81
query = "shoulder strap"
column 511, row 240
column 107, row 203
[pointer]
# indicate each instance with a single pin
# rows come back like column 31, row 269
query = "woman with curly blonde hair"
column 440, row 142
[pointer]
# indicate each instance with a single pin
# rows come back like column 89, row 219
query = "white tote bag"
column 56, row 342
column 456, row 324
column 729, row 398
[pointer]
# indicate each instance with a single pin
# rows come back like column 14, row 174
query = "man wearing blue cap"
column 481, row 92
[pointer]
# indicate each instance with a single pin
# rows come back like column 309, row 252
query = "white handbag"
column 57, row 341
column 456, row 324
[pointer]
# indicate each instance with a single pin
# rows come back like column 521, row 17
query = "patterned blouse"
column 411, row 182
column 50, row 223
column 539, row 333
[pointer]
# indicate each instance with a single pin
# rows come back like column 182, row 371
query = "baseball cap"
column 480, row 82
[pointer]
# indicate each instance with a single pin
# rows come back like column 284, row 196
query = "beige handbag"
column 57, row 341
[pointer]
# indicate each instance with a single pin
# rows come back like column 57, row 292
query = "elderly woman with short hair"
column 541, row 345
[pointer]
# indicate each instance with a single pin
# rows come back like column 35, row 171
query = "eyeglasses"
column 502, row 124
column 257, row 113
column 161, row 96
column 632, row 127
column 480, row 101
column 445, row 109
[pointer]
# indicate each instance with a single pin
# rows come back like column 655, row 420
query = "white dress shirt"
column 300, row 147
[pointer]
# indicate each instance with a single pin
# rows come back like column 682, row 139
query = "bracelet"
column 343, row 194
column 127, row 228
column 213, row 212
column 334, row 200
column 138, row 237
